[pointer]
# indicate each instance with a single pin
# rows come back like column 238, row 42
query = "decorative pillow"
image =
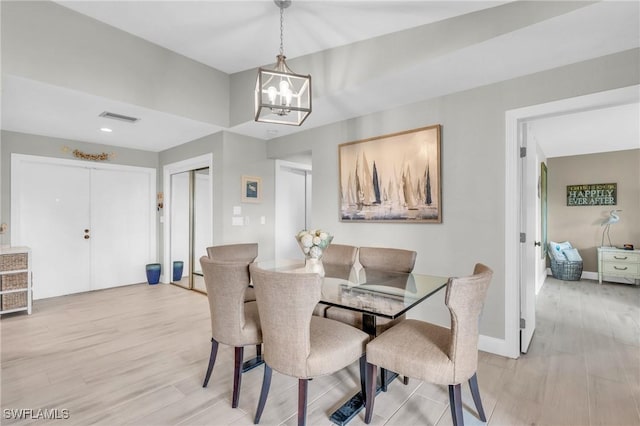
column 572, row 255
column 557, row 249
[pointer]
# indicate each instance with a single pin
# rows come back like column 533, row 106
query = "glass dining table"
column 372, row 293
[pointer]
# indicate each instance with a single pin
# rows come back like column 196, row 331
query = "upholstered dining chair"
column 234, row 322
column 297, row 343
column 236, row 253
column 372, row 259
column 436, row 354
column 338, row 261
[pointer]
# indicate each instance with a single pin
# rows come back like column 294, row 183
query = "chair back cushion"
column 234, row 252
column 387, row 259
column 226, row 284
column 465, row 299
column 285, row 303
column 338, row 260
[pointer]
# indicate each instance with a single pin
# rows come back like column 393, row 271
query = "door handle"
column 537, row 243
column 86, row 237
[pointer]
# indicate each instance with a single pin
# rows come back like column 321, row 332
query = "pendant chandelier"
column 282, row 96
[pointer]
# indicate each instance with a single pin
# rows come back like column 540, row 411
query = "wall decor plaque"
column 593, row 194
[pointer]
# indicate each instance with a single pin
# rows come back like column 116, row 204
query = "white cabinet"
column 15, row 280
column 615, row 262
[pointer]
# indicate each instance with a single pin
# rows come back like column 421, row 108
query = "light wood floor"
column 137, row 355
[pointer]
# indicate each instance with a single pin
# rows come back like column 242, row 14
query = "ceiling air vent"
column 120, row 117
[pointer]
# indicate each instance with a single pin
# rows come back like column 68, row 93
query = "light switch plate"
column 237, row 221
column 237, row 210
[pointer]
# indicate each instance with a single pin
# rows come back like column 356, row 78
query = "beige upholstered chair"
column 338, row 261
column 372, row 259
column 436, row 354
column 236, row 253
column 234, row 322
column 297, row 343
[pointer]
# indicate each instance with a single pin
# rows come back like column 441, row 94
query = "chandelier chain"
column 281, row 31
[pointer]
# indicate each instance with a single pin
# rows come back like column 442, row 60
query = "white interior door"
column 529, row 252
column 120, row 231
column 293, row 200
column 89, row 226
column 50, row 213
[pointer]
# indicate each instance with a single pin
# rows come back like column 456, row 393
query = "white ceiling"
column 239, row 35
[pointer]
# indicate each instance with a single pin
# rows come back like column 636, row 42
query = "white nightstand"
column 615, row 262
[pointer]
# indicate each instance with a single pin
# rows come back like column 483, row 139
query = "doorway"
column 189, row 220
column 89, row 225
column 523, row 267
column 293, row 206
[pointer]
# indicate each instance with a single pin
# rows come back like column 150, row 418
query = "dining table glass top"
column 380, row 293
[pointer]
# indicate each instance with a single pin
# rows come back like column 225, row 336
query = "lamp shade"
column 282, row 96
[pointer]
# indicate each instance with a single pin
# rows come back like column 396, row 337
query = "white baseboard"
column 496, row 346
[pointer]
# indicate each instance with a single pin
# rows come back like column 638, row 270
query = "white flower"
column 324, row 236
column 306, row 240
column 315, row 252
column 316, row 241
column 305, row 250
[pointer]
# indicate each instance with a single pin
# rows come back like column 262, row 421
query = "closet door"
column 51, row 215
column 89, row 226
column 120, row 232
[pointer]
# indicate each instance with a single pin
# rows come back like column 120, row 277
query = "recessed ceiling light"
column 106, row 129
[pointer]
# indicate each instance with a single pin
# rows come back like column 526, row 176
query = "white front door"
column 89, row 226
column 51, row 202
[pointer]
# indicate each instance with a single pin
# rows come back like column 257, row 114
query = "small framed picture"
column 251, row 189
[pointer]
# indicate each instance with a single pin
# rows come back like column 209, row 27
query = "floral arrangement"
column 313, row 242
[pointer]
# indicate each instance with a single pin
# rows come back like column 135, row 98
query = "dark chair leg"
column 455, row 400
column 266, row 384
column 303, row 385
column 237, row 375
column 363, row 374
column 475, row 392
column 258, row 351
column 212, row 361
column 371, row 378
column 383, row 379
column 405, row 380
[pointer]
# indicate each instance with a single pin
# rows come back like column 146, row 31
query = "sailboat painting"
column 392, row 178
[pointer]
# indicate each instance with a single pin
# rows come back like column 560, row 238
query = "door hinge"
column 523, row 151
column 523, row 323
column 523, row 237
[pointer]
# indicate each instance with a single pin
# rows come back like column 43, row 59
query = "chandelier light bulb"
column 272, row 92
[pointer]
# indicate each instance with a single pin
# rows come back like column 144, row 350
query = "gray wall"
column 582, row 225
column 233, row 156
column 473, row 172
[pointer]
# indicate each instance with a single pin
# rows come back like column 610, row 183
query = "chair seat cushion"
column 320, row 310
column 414, row 349
column 333, row 346
column 354, row 319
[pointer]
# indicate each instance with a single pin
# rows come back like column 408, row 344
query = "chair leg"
column 237, row 375
column 475, row 392
column 212, row 361
column 266, row 384
column 455, row 400
column 363, row 374
column 383, row 379
column 371, row 378
column 303, row 385
column 405, row 380
column 258, row 351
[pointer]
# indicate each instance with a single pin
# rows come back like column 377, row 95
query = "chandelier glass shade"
column 282, row 96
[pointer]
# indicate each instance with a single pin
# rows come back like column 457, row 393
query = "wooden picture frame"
column 251, row 189
column 392, row 178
